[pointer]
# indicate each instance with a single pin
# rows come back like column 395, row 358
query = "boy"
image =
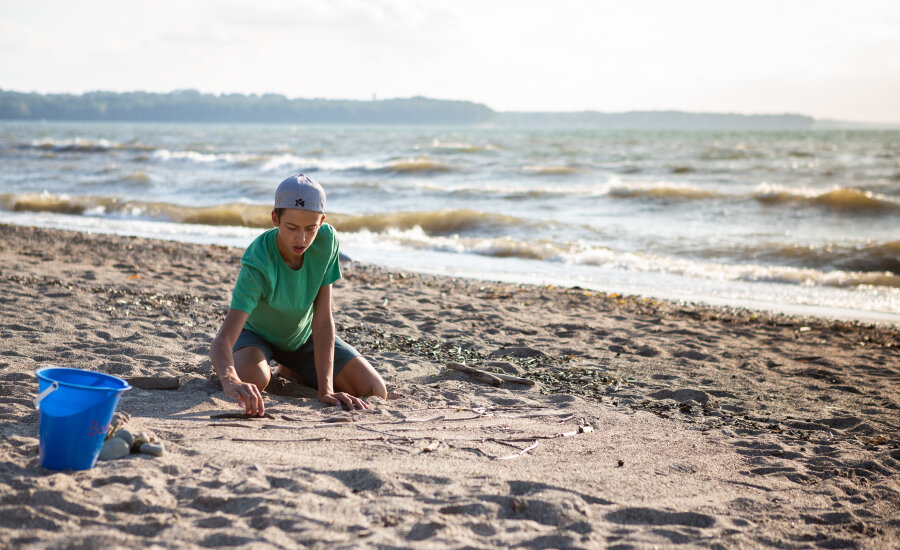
column 281, row 309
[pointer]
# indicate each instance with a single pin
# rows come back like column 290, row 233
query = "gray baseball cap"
column 300, row 192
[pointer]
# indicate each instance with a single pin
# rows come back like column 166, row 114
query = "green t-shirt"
column 278, row 298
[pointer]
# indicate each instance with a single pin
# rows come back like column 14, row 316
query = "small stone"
column 119, row 420
column 140, row 438
column 125, row 435
column 155, row 448
column 114, row 448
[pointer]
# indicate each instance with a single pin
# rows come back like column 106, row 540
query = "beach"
column 650, row 423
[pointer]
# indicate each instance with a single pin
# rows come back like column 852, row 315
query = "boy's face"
column 297, row 229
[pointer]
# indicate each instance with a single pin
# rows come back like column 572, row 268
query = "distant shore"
column 192, row 106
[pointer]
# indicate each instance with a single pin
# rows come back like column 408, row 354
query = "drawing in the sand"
column 281, row 310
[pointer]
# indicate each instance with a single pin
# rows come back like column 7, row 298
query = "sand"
column 651, row 423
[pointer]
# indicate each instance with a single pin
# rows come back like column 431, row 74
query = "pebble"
column 114, row 448
column 125, row 435
column 154, row 448
column 140, row 438
column 119, row 419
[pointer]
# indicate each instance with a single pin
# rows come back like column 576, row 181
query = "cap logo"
column 299, row 202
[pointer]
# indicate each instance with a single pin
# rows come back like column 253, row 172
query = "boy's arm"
column 220, row 354
column 323, row 349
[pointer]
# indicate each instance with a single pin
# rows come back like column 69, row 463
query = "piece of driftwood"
column 302, row 439
column 256, row 440
column 541, row 414
column 478, row 409
column 493, row 378
column 407, row 421
column 580, row 430
column 476, row 374
column 577, row 431
column 507, row 378
column 497, row 408
column 516, row 379
column 476, row 417
column 312, row 427
column 330, row 419
column 241, row 416
column 230, row 425
column 518, row 454
column 154, row 382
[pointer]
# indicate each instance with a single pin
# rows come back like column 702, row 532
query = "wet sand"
column 650, row 423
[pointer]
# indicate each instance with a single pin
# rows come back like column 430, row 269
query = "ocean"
column 800, row 222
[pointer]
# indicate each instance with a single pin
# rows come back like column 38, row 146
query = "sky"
column 828, row 59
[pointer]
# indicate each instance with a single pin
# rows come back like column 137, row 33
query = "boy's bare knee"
column 251, row 366
column 359, row 378
column 255, row 375
column 374, row 381
column 378, row 388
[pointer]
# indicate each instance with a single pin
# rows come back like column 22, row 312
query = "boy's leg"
column 251, row 366
column 353, row 373
column 284, row 371
column 359, row 378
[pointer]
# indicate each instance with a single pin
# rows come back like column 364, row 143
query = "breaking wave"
column 869, row 257
column 475, row 232
column 288, row 162
column 748, row 272
column 540, row 170
column 225, row 214
column 662, row 191
column 439, row 146
column 440, row 222
column 837, row 198
column 418, row 165
column 266, row 162
column 840, row 199
column 81, row 145
column 592, row 255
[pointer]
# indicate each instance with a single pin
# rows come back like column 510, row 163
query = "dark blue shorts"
column 301, row 361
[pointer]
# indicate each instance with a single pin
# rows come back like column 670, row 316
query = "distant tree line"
column 193, row 106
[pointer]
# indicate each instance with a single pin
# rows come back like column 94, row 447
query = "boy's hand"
column 247, row 395
column 346, row 400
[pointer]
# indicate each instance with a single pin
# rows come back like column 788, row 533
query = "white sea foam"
column 75, row 144
column 600, row 269
column 164, row 155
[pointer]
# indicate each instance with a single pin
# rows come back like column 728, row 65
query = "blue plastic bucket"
column 76, row 407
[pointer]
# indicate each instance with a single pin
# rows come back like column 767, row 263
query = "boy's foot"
column 284, row 371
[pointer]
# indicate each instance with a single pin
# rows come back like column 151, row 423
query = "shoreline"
column 232, row 236
column 711, row 426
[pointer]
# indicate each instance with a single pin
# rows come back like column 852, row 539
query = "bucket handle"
column 50, row 389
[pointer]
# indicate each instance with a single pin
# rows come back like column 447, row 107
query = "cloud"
column 333, row 14
column 510, row 54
